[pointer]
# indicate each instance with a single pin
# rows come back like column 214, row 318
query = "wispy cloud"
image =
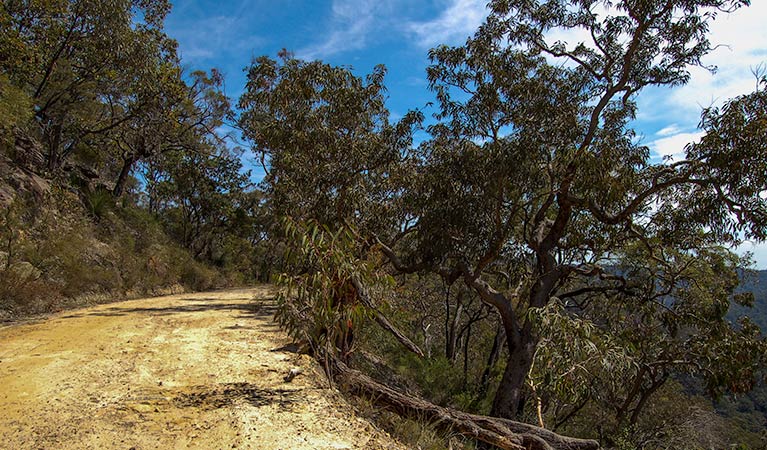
column 459, row 20
column 351, row 24
column 355, row 24
column 673, row 145
column 213, row 36
column 669, row 130
column 741, row 40
column 226, row 41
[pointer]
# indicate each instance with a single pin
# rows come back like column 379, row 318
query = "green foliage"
column 754, row 288
column 83, row 65
column 55, row 255
column 733, row 150
column 575, row 360
column 94, row 92
column 203, row 200
column 607, row 269
column 15, row 110
column 99, row 202
column 326, row 135
column 319, row 302
column 533, row 188
column 417, row 434
column 198, row 277
column 532, row 193
column 618, row 354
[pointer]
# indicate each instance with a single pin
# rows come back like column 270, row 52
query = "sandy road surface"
column 183, row 371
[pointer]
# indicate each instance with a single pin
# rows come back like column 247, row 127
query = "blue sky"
column 398, row 34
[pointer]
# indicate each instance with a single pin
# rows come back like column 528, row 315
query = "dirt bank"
column 183, row 371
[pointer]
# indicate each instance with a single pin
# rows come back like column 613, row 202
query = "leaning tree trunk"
column 522, row 342
column 122, row 179
column 503, row 433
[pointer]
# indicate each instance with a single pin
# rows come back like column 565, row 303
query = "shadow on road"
column 261, row 308
column 225, row 395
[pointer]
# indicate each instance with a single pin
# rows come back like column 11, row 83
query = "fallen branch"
column 502, row 433
column 383, row 321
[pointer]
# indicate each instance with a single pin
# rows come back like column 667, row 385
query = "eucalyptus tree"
column 614, row 351
column 334, row 166
column 80, row 62
column 177, row 115
column 203, row 197
column 534, row 184
column 533, row 187
column 326, row 141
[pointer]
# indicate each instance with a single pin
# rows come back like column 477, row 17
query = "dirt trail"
column 183, row 371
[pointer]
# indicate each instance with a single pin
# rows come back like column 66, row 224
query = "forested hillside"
column 525, row 274
column 749, row 410
column 756, row 283
column 113, row 177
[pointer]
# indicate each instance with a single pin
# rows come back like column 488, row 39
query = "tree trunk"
column 54, row 143
column 521, row 342
column 466, row 356
column 381, row 320
column 509, row 402
column 492, row 359
column 122, row 179
column 451, row 338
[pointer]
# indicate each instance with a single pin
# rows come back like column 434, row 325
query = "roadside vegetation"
column 113, row 179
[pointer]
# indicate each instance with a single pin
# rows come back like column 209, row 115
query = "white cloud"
column 673, row 145
column 740, row 39
column 205, row 40
column 669, row 130
column 758, row 250
column 352, row 22
column 458, row 21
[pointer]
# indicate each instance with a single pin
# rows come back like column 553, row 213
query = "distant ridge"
column 755, row 282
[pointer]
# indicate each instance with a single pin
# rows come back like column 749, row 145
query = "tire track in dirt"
column 198, row 370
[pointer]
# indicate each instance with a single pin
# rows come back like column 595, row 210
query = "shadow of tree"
column 227, row 394
column 262, row 308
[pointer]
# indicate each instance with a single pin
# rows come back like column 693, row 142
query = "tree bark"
column 492, row 359
column 122, row 179
column 509, row 401
column 502, row 433
column 451, row 338
column 509, row 398
column 54, row 143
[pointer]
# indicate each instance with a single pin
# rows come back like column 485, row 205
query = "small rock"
column 294, row 372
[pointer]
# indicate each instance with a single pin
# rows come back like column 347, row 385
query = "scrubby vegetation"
column 113, row 178
column 55, row 255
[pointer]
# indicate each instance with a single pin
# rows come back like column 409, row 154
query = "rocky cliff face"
column 17, row 172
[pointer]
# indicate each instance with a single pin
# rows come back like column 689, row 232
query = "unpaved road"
column 183, row 371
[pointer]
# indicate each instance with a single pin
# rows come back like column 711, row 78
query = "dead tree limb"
column 382, row 320
column 502, row 433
